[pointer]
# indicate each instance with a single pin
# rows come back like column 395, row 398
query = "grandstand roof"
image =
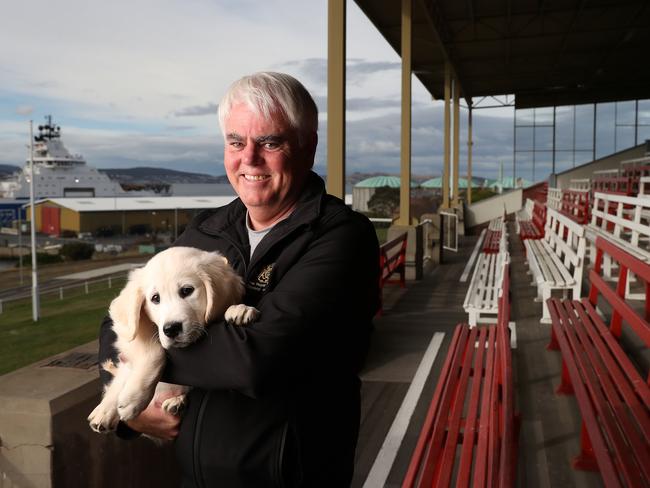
column 553, row 52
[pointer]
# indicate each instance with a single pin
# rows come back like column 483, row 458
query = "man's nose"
column 172, row 329
column 250, row 154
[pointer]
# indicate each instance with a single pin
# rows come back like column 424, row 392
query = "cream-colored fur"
column 154, row 302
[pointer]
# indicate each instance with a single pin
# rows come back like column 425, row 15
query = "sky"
column 137, row 83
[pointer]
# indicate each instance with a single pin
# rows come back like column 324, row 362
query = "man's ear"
column 310, row 147
column 127, row 309
column 223, row 287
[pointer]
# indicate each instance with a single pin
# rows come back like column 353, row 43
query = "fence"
column 53, row 292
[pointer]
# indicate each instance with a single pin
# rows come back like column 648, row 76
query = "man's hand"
column 155, row 421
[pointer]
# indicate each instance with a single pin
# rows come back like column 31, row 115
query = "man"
column 275, row 403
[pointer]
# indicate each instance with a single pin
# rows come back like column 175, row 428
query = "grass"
column 63, row 324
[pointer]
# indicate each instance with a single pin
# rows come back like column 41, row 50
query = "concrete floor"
column 550, row 424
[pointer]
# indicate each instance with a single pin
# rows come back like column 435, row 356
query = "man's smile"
column 256, row 177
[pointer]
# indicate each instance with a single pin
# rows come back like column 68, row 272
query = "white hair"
column 267, row 92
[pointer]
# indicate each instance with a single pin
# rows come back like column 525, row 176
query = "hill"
column 8, row 169
column 144, row 174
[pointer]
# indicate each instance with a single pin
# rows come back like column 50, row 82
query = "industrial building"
column 123, row 215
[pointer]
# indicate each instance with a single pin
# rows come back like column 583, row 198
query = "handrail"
column 388, row 265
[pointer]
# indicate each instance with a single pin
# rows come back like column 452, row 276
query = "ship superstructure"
column 58, row 173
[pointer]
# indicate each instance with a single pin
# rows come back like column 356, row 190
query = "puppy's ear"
column 127, row 309
column 223, row 287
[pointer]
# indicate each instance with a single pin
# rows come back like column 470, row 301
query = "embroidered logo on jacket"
column 262, row 281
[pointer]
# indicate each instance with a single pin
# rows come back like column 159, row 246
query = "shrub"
column 76, row 251
column 41, row 258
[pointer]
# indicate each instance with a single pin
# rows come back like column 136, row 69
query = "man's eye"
column 155, row 298
column 186, row 291
column 271, row 145
column 236, row 144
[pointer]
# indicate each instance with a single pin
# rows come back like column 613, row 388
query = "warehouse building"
column 122, row 215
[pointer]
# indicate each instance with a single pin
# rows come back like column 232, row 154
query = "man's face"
column 264, row 162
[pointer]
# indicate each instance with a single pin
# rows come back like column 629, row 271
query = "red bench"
column 492, row 241
column 392, row 259
column 575, row 205
column 469, row 434
column 613, row 396
column 534, row 228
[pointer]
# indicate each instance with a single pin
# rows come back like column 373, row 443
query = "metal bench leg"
column 553, row 345
column 565, row 387
column 546, row 294
column 586, row 460
column 473, row 317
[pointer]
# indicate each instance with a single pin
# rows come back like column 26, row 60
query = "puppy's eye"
column 155, row 298
column 186, row 291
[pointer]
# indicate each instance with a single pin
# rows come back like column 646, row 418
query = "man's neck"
column 259, row 220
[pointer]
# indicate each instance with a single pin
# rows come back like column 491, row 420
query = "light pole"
column 35, row 303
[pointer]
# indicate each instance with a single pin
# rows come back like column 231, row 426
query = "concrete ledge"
column 45, row 440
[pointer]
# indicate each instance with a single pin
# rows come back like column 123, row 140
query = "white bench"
column 482, row 298
column 557, row 260
column 624, row 220
column 554, row 198
column 583, row 184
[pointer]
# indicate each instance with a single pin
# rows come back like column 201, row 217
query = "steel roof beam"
column 440, row 31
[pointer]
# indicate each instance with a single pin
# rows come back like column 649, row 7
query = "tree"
column 384, row 202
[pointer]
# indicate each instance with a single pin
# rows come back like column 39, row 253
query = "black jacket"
column 276, row 403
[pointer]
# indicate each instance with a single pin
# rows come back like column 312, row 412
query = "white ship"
column 58, row 173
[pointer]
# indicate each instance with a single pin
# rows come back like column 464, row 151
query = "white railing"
column 64, row 291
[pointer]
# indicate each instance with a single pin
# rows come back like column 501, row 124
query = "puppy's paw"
column 131, row 403
column 174, row 405
column 241, row 314
column 103, row 419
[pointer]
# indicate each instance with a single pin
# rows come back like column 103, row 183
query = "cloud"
column 357, row 70
column 24, row 110
column 209, row 108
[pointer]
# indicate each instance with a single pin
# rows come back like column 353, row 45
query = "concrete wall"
column 46, row 441
column 360, row 198
column 612, row 161
column 490, row 208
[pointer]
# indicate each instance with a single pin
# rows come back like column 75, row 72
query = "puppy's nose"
column 172, row 329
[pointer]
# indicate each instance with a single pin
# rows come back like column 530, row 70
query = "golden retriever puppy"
column 167, row 303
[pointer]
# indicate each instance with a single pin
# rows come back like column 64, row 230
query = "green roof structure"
column 437, row 183
column 381, row 181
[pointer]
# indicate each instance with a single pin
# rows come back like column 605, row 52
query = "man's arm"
column 322, row 306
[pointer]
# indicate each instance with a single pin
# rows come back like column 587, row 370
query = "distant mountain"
column 7, row 170
column 159, row 175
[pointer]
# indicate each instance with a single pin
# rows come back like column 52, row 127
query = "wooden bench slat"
column 605, row 410
column 618, row 365
column 623, row 427
column 471, row 422
column 461, row 332
column 607, row 467
column 613, row 396
column 439, row 428
column 484, row 441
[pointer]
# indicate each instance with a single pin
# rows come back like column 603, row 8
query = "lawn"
column 63, row 325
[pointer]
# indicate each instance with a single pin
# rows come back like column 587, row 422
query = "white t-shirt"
column 255, row 236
